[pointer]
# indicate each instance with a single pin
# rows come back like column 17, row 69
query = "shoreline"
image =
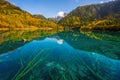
column 8, row 29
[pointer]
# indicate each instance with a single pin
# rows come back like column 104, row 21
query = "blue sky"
column 50, row 8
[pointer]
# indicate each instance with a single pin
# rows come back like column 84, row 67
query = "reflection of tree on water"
column 104, row 43
column 48, row 60
column 10, row 40
column 98, row 35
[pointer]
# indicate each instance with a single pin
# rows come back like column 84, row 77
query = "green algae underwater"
column 57, row 58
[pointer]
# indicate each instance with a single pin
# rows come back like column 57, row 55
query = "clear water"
column 47, row 55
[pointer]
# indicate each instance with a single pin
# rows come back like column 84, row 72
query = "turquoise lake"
column 67, row 55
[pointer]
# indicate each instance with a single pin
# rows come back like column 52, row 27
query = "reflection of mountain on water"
column 106, row 43
column 10, row 40
column 53, row 59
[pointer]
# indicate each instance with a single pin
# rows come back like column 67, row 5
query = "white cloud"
column 105, row 1
column 61, row 14
column 101, row 1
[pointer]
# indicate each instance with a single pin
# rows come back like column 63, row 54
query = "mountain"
column 58, row 17
column 39, row 16
column 12, row 17
column 55, row 20
column 95, row 16
column 61, row 15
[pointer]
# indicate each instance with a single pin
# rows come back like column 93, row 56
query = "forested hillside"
column 96, row 16
column 39, row 16
column 13, row 17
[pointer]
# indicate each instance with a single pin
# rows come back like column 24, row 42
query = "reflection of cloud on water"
column 59, row 41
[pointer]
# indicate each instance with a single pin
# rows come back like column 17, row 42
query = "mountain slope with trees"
column 95, row 16
column 39, row 16
column 13, row 17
